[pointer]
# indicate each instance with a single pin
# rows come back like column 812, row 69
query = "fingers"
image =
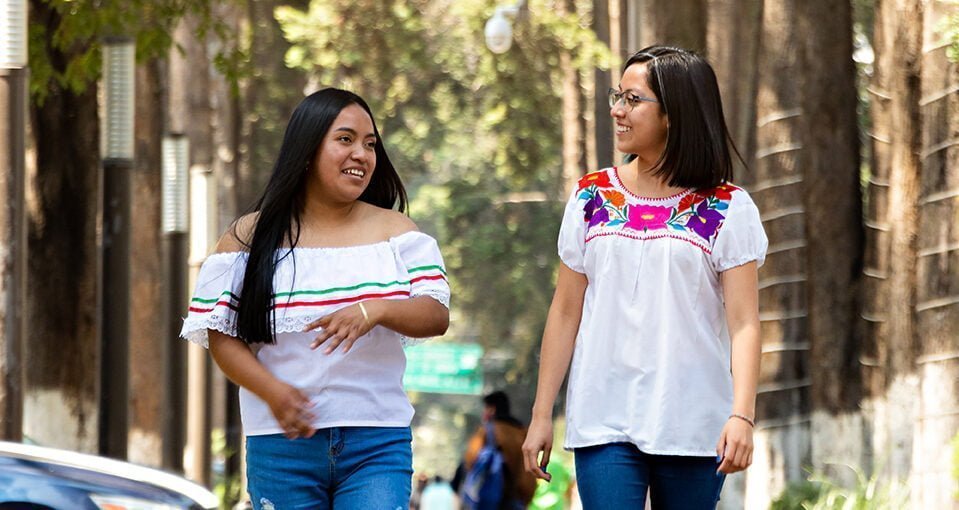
column 318, row 323
column 738, row 456
column 544, row 461
column 292, row 410
column 532, row 464
column 342, row 327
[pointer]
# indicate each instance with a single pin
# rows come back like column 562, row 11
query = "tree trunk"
column 191, row 114
column 149, row 345
column 733, row 49
column 63, row 344
column 602, row 130
column 834, row 233
column 937, row 269
column 573, row 154
column 782, row 439
column 734, row 28
column 892, row 231
column 269, row 97
column 672, row 22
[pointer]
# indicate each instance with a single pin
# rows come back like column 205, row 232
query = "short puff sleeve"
column 741, row 238
column 214, row 304
column 572, row 235
column 421, row 258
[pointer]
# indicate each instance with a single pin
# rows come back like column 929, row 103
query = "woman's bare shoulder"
column 239, row 235
column 392, row 223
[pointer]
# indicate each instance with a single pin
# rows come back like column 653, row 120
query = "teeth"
column 623, row 129
column 354, row 171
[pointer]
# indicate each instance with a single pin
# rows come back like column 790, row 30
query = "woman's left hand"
column 341, row 327
column 735, row 446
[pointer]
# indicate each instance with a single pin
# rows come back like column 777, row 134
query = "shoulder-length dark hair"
column 280, row 206
column 697, row 153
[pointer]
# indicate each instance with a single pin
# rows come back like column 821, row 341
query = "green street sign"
column 435, row 367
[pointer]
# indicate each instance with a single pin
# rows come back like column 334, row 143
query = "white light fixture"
column 13, row 34
column 118, row 80
column 499, row 28
column 175, row 177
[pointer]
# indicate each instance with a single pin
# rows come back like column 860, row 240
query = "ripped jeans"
column 339, row 468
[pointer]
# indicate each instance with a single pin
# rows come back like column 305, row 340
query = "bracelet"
column 744, row 418
column 366, row 316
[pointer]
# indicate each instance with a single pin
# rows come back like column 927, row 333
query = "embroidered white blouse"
column 651, row 363
column 360, row 388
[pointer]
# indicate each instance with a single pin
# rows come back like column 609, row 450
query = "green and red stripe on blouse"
column 227, row 298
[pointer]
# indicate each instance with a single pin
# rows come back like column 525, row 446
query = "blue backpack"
column 486, row 480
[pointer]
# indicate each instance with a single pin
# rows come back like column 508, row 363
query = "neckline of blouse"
column 331, row 249
column 618, row 183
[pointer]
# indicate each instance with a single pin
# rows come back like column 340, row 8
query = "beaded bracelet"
column 744, row 418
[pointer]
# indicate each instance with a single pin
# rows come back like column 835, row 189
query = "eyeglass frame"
column 615, row 96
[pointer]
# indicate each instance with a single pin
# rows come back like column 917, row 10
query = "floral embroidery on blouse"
column 696, row 217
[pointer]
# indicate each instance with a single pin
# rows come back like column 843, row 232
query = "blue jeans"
column 617, row 475
column 341, row 468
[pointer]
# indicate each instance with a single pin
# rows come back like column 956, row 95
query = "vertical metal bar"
column 13, row 107
column 115, row 373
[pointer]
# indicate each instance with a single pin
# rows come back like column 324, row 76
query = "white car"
column 39, row 478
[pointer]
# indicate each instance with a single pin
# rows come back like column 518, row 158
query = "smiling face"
column 344, row 163
column 642, row 130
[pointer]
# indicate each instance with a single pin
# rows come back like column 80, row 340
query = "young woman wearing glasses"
column 656, row 310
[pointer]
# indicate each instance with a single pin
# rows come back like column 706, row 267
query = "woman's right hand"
column 539, row 438
column 291, row 408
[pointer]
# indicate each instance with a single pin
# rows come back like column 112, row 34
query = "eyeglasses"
column 630, row 99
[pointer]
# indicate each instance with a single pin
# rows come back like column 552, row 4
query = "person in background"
column 438, row 495
column 509, row 433
column 306, row 305
column 656, row 302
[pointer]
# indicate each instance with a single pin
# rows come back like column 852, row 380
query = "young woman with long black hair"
column 656, row 302
column 306, row 305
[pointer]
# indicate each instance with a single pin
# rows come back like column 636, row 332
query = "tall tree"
column 937, row 261
column 892, row 229
column 733, row 36
column 61, row 354
column 674, row 22
column 783, row 401
column 150, row 348
column 834, row 234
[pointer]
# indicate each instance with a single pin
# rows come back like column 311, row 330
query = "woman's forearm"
column 559, row 339
column 417, row 317
column 746, row 352
column 741, row 295
column 240, row 365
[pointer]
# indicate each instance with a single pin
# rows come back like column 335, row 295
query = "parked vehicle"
column 39, row 478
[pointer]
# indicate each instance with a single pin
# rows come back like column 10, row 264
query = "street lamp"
column 175, row 175
column 116, row 145
column 13, row 115
column 499, row 28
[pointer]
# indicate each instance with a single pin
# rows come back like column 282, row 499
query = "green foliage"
column 467, row 129
column 65, row 37
column 228, row 489
column 819, row 492
column 950, row 31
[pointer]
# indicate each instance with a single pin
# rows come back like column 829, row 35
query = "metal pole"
column 175, row 225
column 12, row 250
column 13, row 112
column 117, row 142
column 202, row 220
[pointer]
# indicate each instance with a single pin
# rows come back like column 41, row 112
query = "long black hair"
column 281, row 204
column 697, row 153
